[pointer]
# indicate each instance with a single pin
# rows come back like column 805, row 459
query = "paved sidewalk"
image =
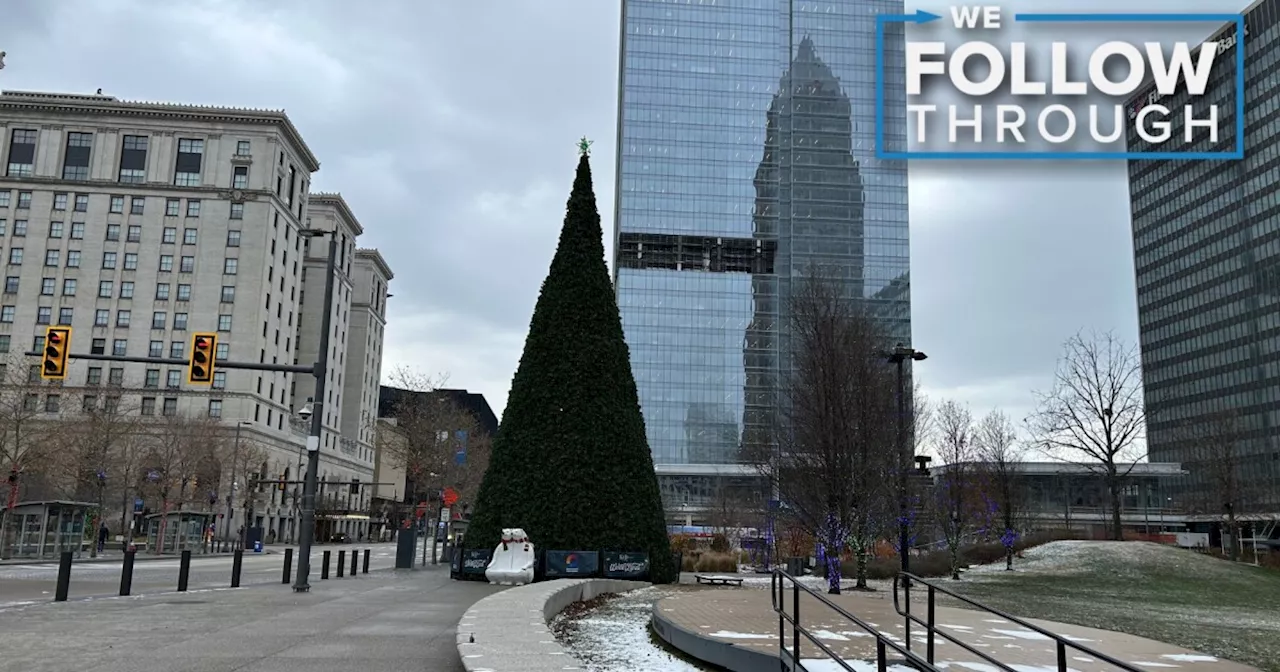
column 381, row 622
column 745, row 617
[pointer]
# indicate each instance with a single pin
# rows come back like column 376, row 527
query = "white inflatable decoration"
column 513, row 560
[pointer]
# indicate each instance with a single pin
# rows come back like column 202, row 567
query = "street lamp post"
column 231, row 484
column 320, row 370
column 898, row 356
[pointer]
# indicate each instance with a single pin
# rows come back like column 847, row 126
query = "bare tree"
column 996, row 441
column 1094, row 412
column 923, row 425
column 1216, row 463
column 179, row 457
column 957, row 488
column 829, row 453
column 24, row 446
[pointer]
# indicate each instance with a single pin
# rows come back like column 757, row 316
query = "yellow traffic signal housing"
column 203, row 349
column 281, row 484
column 57, row 349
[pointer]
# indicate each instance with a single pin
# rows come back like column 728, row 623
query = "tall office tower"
column 746, row 156
column 138, row 224
column 1206, row 237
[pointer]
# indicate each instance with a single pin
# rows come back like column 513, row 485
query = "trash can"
column 795, row 566
column 257, row 546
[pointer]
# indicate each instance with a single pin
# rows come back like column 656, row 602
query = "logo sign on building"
column 1049, row 95
column 562, row 564
column 626, row 565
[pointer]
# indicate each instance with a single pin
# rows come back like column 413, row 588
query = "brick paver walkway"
column 745, row 617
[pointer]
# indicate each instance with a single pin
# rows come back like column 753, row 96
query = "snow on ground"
column 1080, row 557
column 612, row 634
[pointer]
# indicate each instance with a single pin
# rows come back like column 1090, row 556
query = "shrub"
column 716, row 562
column 689, row 563
column 682, row 543
column 719, row 543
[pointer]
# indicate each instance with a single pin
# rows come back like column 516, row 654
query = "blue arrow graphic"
column 1101, row 18
column 920, row 16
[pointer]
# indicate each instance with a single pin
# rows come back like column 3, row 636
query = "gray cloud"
column 449, row 127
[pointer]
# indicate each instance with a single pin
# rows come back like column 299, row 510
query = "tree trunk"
column 860, row 555
column 1117, row 527
column 833, row 544
column 1234, row 528
column 955, row 559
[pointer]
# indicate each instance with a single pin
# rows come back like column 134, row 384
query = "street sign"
column 137, row 505
column 449, row 497
column 444, row 513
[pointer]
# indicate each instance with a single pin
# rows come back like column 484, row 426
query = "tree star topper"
column 584, row 146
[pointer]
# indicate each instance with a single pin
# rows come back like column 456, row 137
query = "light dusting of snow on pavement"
column 1190, row 658
column 615, row 636
column 726, row 634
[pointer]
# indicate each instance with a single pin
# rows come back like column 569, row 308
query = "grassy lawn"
column 1163, row 593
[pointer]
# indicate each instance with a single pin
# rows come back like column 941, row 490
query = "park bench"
column 717, row 580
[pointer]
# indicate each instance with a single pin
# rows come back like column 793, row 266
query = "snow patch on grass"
column 611, row 634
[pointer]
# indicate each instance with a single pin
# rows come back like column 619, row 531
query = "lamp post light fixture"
column 898, row 356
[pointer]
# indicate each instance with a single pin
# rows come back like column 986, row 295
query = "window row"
column 187, row 166
column 128, row 261
column 102, row 318
column 133, row 232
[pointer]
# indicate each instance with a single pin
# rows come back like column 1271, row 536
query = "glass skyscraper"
column 746, row 152
column 1206, row 238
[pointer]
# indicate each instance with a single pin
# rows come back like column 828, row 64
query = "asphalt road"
column 26, row 583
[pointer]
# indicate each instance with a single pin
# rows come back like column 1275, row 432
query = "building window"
column 120, row 348
column 187, row 165
column 171, row 207
column 89, row 404
column 159, row 319
column 116, row 375
column 162, row 291
column 219, row 380
column 123, row 318
column 77, row 231
column 47, row 286
column 135, row 234
column 75, row 164
column 137, row 205
column 222, row 352
column 113, row 232
column 95, row 372
column 155, row 349
column 153, row 375
column 109, row 260
column 59, row 201
column 188, row 236
column 69, row 287
column 73, row 258
column 184, row 292
column 187, row 265
column 242, row 148
column 240, row 177
column 64, row 316
column 179, row 321
column 102, row 318
column 148, row 406
column 170, row 406
column 15, row 256
column 166, row 263
column 7, row 313
column 20, row 228
column 98, row 347
column 237, row 211
column 24, row 200
column 177, row 349
column 126, row 289
column 133, row 159
column 52, row 258
column 233, row 239
column 82, row 203
column 11, row 284
column 55, row 229
column 193, row 208
column 52, row 403
column 228, row 294
column 22, row 153
column 105, row 289
column 224, row 323
column 174, row 379
column 130, row 261
column 229, row 266
column 117, row 205
column 44, row 314
column 215, row 408
column 170, row 235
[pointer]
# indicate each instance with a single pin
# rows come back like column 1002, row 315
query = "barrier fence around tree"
column 470, row 564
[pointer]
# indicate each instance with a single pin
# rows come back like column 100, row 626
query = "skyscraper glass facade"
column 1207, row 256
column 746, row 152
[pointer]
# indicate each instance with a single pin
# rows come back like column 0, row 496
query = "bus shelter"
column 178, row 531
column 40, row 530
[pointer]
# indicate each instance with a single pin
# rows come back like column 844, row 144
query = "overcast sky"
column 449, row 126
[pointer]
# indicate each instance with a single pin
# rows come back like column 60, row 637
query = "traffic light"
column 281, row 485
column 200, row 371
column 57, row 344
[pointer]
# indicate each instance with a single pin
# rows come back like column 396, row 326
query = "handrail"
column 931, row 627
column 791, row 660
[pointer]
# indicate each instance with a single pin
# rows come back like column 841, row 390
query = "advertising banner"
column 633, row 566
column 561, row 564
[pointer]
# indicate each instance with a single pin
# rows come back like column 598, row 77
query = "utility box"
column 406, row 548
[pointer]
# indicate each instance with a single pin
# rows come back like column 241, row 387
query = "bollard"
column 324, row 565
column 288, row 565
column 64, row 577
column 366, row 561
column 184, row 571
column 236, row 562
column 126, row 574
column 342, row 562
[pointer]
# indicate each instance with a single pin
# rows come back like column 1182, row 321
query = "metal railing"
column 791, row 659
column 930, row 624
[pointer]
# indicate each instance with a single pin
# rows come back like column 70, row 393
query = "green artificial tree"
column 571, row 463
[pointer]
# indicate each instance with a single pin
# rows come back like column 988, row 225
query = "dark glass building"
column 1206, row 238
column 746, row 152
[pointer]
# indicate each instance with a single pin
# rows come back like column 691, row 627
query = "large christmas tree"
column 571, row 464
